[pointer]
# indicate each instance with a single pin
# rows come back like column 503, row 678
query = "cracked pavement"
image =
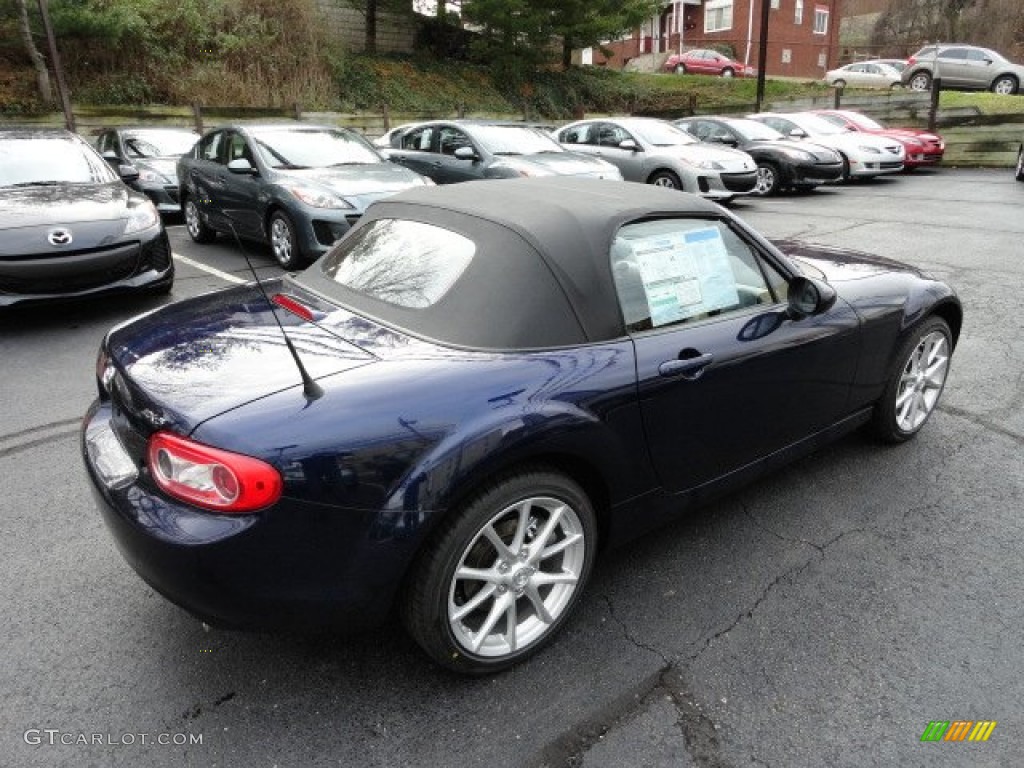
column 820, row 617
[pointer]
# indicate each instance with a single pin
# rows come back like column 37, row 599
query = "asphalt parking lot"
column 821, row 617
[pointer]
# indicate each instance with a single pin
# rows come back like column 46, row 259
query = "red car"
column 701, row 61
column 922, row 147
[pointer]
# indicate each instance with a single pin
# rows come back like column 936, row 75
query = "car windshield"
column 514, row 140
column 864, row 121
column 660, row 134
column 313, row 148
column 50, row 160
column 817, row 126
column 159, row 143
column 751, row 130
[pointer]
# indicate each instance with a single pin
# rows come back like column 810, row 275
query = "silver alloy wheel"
column 924, row 375
column 922, row 81
column 1005, row 86
column 281, row 240
column 765, row 180
column 192, row 221
column 516, row 577
column 665, row 180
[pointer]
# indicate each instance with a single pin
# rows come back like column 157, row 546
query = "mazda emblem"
column 59, row 236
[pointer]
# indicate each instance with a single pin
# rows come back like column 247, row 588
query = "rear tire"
column 498, row 580
column 839, row 84
column 916, row 381
column 1019, row 174
column 680, row 69
column 727, row 72
column 920, row 81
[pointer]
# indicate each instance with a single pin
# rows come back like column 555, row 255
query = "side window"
column 238, row 149
column 105, row 143
column 698, row 128
column 210, row 147
column 672, row 271
column 954, row 54
column 580, row 134
column 609, row 135
column 419, row 139
column 450, row 139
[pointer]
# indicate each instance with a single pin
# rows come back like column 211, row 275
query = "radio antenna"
column 310, row 388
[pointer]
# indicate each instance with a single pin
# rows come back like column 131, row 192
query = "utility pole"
column 762, row 53
column 58, row 68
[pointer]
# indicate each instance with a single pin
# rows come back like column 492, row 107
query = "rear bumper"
column 295, row 565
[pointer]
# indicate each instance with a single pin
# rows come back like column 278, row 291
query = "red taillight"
column 911, row 61
column 296, row 307
column 209, row 477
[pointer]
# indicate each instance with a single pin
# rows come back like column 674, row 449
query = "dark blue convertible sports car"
column 498, row 380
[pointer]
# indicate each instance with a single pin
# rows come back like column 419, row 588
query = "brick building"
column 802, row 34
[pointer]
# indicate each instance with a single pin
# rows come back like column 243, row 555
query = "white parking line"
column 205, row 268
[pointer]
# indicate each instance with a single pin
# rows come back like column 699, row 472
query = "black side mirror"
column 127, row 172
column 808, row 297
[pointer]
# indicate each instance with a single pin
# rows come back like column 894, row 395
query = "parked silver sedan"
column 656, row 152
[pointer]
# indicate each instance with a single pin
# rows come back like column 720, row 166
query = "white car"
column 864, row 74
column 654, row 151
column 863, row 154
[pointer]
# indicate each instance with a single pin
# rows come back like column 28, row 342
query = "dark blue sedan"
column 476, row 391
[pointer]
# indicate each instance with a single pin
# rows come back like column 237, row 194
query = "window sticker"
column 685, row 274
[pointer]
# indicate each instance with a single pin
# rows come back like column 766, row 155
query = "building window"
column 718, row 15
column 798, row 12
column 820, row 20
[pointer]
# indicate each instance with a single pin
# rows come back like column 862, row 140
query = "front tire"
column 915, row 383
column 665, row 179
column 839, row 84
column 1019, row 173
column 680, row 69
column 283, row 243
column 769, row 181
column 198, row 230
column 727, row 72
column 498, row 581
column 1005, row 85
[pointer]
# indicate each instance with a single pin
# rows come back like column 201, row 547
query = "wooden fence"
column 972, row 139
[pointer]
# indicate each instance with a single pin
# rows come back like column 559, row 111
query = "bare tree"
column 38, row 62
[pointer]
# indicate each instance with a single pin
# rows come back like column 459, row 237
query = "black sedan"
column 782, row 163
column 467, row 150
column 498, row 381
column 69, row 227
column 152, row 153
column 298, row 187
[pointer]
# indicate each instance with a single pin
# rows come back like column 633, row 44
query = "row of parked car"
column 300, row 187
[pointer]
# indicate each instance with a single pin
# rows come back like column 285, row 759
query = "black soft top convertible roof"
column 541, row 276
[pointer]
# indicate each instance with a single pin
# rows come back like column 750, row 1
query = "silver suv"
column 962, row 66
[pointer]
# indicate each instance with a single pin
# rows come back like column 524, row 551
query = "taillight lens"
column 211, row 478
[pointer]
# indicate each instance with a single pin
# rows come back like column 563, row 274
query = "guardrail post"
column 933, row 104
column 297, row 108
column 386, row 114
column 197, row 117
column 837, row 97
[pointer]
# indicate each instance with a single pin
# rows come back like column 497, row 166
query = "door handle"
column 689, row 368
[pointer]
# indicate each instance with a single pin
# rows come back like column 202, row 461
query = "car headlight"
column 796, row 154
column 148, row 174
column 319, row 198
column 141, row 216
column 708, row 165
column 870, row 150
